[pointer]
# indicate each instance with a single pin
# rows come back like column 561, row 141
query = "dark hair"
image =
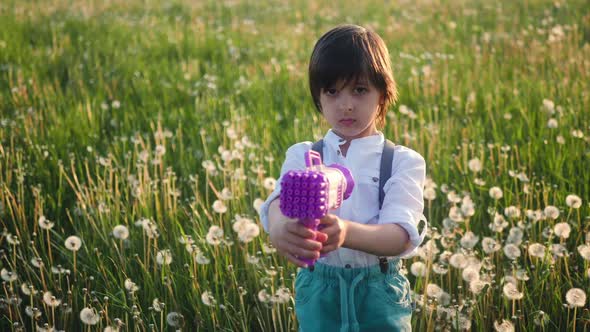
column 349, row 52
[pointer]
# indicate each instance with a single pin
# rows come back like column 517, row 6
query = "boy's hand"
column 335, row 229
column 294, row 240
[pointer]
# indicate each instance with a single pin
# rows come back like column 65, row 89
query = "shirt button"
column 375, row 179
column 338, row 152
column 347, row 266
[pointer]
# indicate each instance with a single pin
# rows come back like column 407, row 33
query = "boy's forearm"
column 274, row 212
column 380, row 240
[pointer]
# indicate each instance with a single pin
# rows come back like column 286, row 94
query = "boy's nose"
column 346, row 104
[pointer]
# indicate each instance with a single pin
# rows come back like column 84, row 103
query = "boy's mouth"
column 347, row 122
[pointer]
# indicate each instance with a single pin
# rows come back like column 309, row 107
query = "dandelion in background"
column 584, row 251
column 537, row 250
column 503, row 326
column 257, row 204
column 116, row 104
column 576, row 298
column 469, row 240
column 8, row 276
column 207, row 298
column 552, row 123
column 541, row 318
column 130, row 286
column 489, row 245
column 219, row 207
column 498, row 224
column 51, row 300
column 573, row 201
column 74, row 244
column 157, row 305
column 269, row 183
column 121, row 232
column 551, row 212
column 512, row 212
column 215, row 235
column 164, row 257
column 511, row 251
column 89, row 316
column 264, row 296
column 562, row 230
column 475, row 165
column 511, row 292
column 175, row 319
column 419, row 269
column 282, row 295
column 458, row 260
column 496, row 193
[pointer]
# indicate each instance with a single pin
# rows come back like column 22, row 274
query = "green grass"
column 91, row 91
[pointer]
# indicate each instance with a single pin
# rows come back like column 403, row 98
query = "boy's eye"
column 360, row 90
column 330, row 92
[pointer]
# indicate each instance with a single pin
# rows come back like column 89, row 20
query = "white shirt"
column 403, row 203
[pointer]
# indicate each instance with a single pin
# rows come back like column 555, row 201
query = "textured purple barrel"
column 309, row 194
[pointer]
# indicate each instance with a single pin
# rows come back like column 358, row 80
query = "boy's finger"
column 300, row 230
column 321, row 237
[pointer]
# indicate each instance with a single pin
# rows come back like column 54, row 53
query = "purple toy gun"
column 308, row 195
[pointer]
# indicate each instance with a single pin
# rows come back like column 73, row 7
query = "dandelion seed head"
column 584, row 251
column 219, row 207
column 511, row 292
column 207, row 298
column 130, row 286
column 469, row 240
column 175, row 319
column 576, row 297
column 164, row 257
column 429, row 194
column 419, row 269
column 215, row 235
column 496, row 193
column 475, row 165
column 270, row 183
column 263, row 296
column 503, row 326
column 8, row 276
column 73, row 243
column 120, row 232
column 552, row 123
column 551, row 212
column 511, row 251
column 89, row 316
column 573, row 201
column 536, row 250
column 512, row 212
column 51, row 300
column 562, row 230
column 44, row 223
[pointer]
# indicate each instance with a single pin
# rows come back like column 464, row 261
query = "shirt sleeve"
column 294, row 160
column 404, row 203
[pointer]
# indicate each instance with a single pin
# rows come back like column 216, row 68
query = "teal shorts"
column 331, row 298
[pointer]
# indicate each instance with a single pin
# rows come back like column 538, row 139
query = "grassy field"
column 138, row 138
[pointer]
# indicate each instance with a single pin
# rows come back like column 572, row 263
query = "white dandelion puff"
column 8, row 276
column 89, row 316
column 44, row 223
column 573, row 201
column 207, row 298
column 537, row 250
column 270, row 183
column 175, row 319
column 562, row 230
column 164, row 257
column 419, row 269
column 576, row 297
column 511, row 292
column 121, row 232
column 215, row 235
column 51, row 300
column 551, row 212
column 219, row 207
column 511, row 251
column 503, row 326
column 73, row 243
column 475, row 165
column 496, row 193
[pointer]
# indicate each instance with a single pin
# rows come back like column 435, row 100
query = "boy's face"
column 351, row 109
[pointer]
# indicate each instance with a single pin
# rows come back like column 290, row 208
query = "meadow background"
column 138, row 139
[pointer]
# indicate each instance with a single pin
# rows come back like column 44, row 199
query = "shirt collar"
column 367, row 143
